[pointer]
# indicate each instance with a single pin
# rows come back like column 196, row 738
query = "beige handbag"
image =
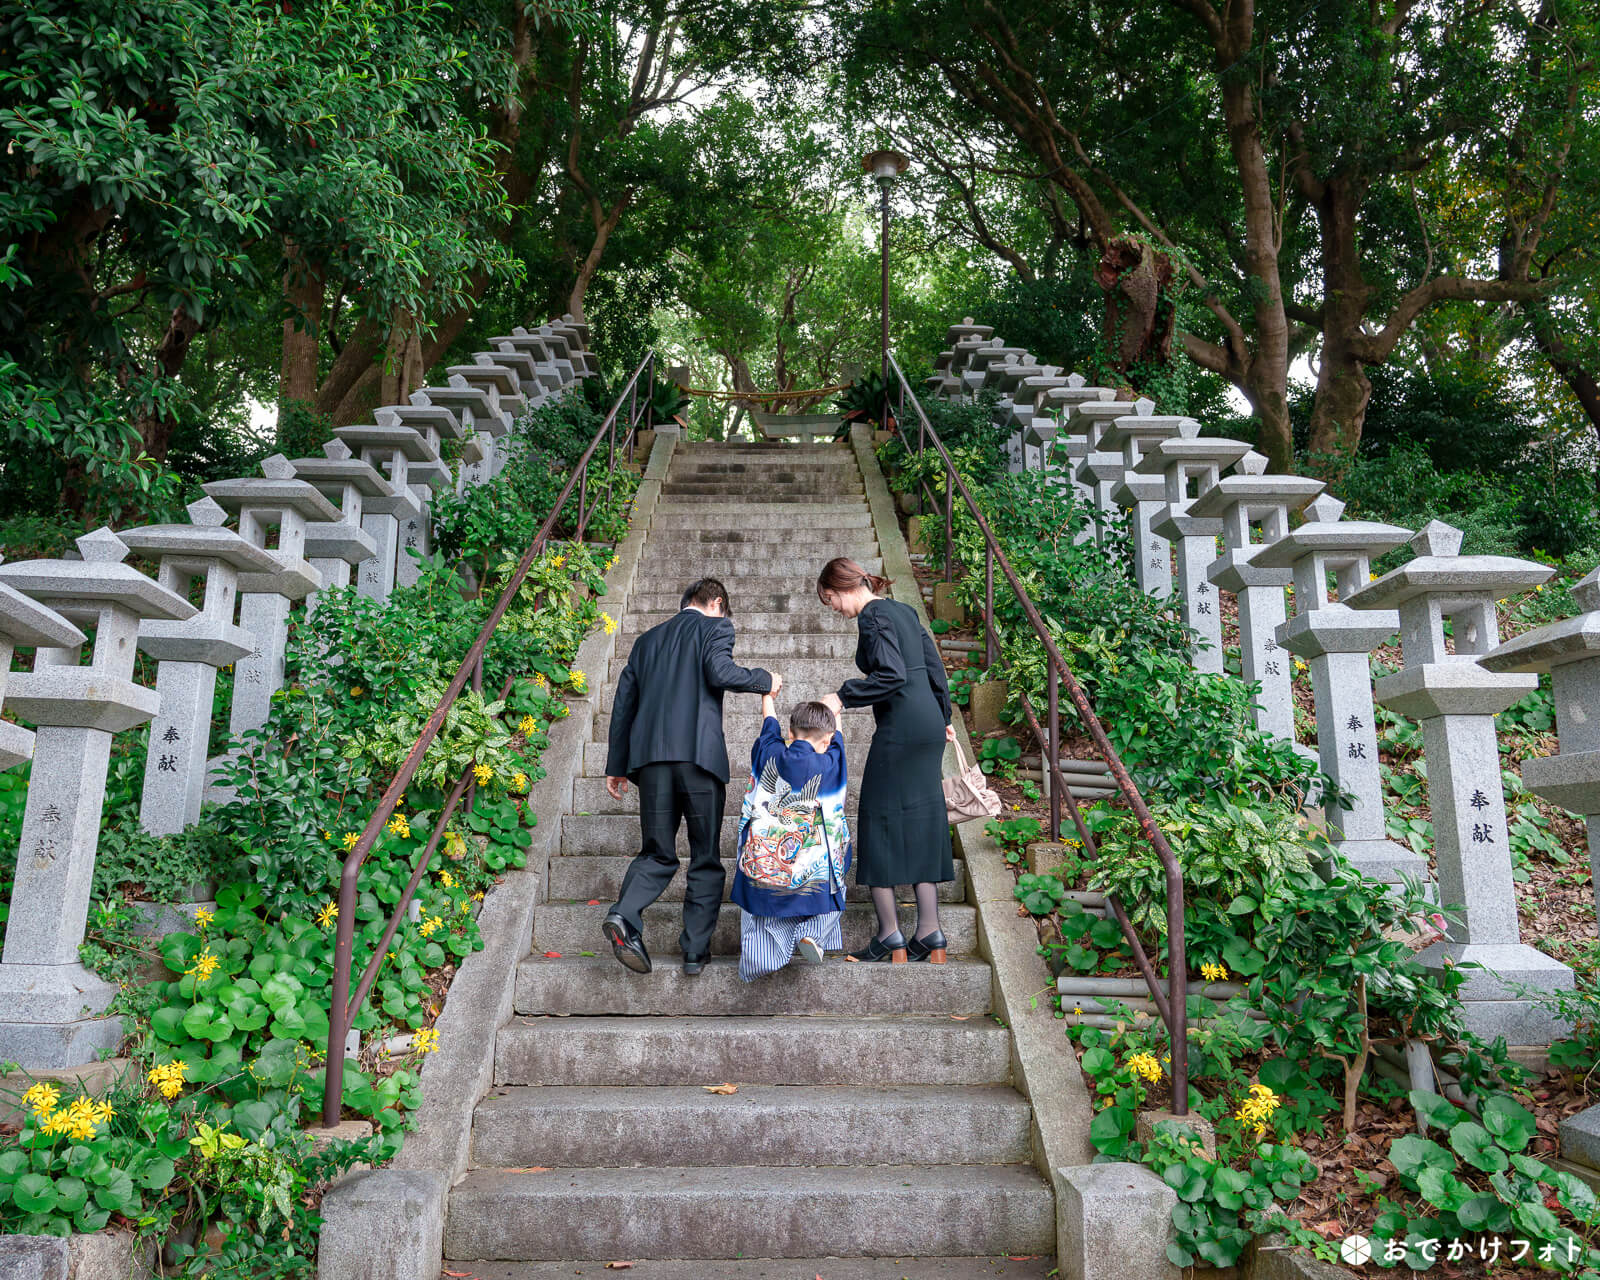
column 968, row 795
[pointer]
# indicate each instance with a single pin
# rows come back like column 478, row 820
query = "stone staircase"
column 875, row 1116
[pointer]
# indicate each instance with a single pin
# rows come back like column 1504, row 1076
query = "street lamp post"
column 885, row 167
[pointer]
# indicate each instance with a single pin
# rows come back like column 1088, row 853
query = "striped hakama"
column 766, row 943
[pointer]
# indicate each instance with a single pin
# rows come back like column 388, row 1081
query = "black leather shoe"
column 692, row 965
column 892, row 949
column 931, row 949
column 626, row 944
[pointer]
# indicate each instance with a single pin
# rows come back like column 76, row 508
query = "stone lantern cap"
column 1187, row 449
column 1011, row 374
column 406, row 440
column 330, row 476
column 967, row 329
column 484, row 417
column 984, row 359
column 1089, row 415
column 579, row 327
column 1324, row 533
column 269, row 492
column 421, row 415
column 79, row 589
column 961, row 353
column 1290, row 493
column 560, row 345
column 1141, row 428
column 529, row 344
column 486, row 373
column 1440, row 571
column 1567, row 640
column 942, row 361
column 26, row 622
column 519, row 362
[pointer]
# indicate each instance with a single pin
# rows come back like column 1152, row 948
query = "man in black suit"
column 666, row 735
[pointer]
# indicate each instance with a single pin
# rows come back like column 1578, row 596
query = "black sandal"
column 892, row 949
column 931, row 949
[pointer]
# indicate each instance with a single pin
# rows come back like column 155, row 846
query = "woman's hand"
column 949, row 733
column 831, row 701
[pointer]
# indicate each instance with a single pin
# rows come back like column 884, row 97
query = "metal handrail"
column 1173, row 1008
column 342, row 1013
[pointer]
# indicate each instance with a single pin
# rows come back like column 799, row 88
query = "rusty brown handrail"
column 1173, row 1008
column 344, row 1008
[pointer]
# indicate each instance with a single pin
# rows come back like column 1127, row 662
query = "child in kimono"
column 794, row 844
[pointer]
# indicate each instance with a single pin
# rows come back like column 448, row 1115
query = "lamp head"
column 884, row 166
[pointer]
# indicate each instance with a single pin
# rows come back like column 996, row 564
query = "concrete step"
column 587, row 877
column 731, row 1212
column 796, row 596
column 803, row 678
column 753, row 645
column 780, row 498
column 759, row 486
column 590, row 797
column 573, row 928
column 757, row 515
column 848, row 540
column 751, row 626
column 741, row 721
column 749, row 474
column 602, row 834
column 775, row 1126
column 662, row 1051
column 669, row 560
column 1003, row 1267
column 601, row 986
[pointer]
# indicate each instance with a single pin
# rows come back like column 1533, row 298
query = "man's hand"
column 831, row 701
column 616, row 788
column 777, row 685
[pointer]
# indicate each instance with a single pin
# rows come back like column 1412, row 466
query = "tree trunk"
column 1343, row 388
column 1584, row 383
column 305, row 292
column 1139, row 316
column 155, row 428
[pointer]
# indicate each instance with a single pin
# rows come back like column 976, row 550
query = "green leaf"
column 35, row 1193
column 1098, row 1061
column 1442, row 1190
column 1437, row 1112
column 1511, row 1125
column 1473, row 1143
column 1411, row 1154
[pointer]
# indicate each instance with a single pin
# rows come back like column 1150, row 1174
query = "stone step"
column 741, row 721
column 667, row 560
column 747, row 474
column 573, row 928
column 754, row 646
column 852, row 515
column 589, row 835
column 787, row 450
column 848, row 540
column 776, row 1126
column 591, row 799
column 780, row 498
column 663, row 1051
column 749, row 626
column 601, row 986
column 803, row 679
column 731, row 1212
column 588, row 877
column 1003, row 1267
column 762, row 486
column 795, row 596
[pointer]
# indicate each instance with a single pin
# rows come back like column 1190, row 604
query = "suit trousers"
column 670, row 793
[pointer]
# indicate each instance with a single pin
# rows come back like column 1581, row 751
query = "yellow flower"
column 168, row 1078
column 430, row 926
column 205, row 964
column 557, row 561
column 466, row 906
column 478, row 897
column 202, row 917
column 399, row 826
column 519, row 781
column 80, row 1125
column 578, row 681
column 527, row 726
column 609, row 621
column 1214, row 972
column 447, row 880
column 426, row 1040
column 350, row 838
column 103, row 1112
column 1077, row 1011
column 540, row 681
column 327, row 835
column 355, row 691
column 482, row 773
column 328, row 914
column 611, row 564
column 42, row 1098
column 1257, row 1109
column 54, row 1123
column 1144, row 1064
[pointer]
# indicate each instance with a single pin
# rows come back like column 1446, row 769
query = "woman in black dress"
column 902, row 831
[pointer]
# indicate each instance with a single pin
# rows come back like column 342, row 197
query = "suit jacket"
column 669, row 700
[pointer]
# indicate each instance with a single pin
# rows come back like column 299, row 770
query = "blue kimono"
column 794, row 850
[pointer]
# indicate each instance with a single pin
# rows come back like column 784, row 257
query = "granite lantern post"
column 1184, row 463
column 334, row 548
column 26, row 622
column 1243, row 502
column 1134, row 434
column 48, row 999
column 1570, row 651
column 277, row 500
column 189, row 654
column 1455, row 698
column 391, row 450
column 1336, row 642
column 1099, row 470
column 474, row 409
column 424, row 478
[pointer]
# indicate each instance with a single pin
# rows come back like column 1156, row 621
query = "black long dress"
column 902, row 831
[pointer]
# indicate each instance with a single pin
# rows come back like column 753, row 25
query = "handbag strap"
column 961, row 758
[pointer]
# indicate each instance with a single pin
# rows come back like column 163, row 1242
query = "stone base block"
column 104, row 1255
column 945, row 606
column 93, row 1078
column 1045, row 856
column 988, row 701
column 383, row 1225
column 1580, row 1138
column 881, row 438
column 47, row 1016
column 1502, row 968
column 1383, row 860
column 157, row 919
column 344, row 1131
column 1197, row 1125
column 916, row 538
column 1114, row 1223
column 908, row 503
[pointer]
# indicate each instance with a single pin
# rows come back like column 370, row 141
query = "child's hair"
column 844, row 574
column 811, row 720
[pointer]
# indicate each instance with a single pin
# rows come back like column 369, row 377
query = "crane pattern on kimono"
column 783, row 842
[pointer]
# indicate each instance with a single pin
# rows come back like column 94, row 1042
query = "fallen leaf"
column 552, row 955
column 532, row 1168
column 459, row 1275
column 1020, row 1257
column 595, row 902
column 619, row 1266
column 959, row 1017
column 721, row 1088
